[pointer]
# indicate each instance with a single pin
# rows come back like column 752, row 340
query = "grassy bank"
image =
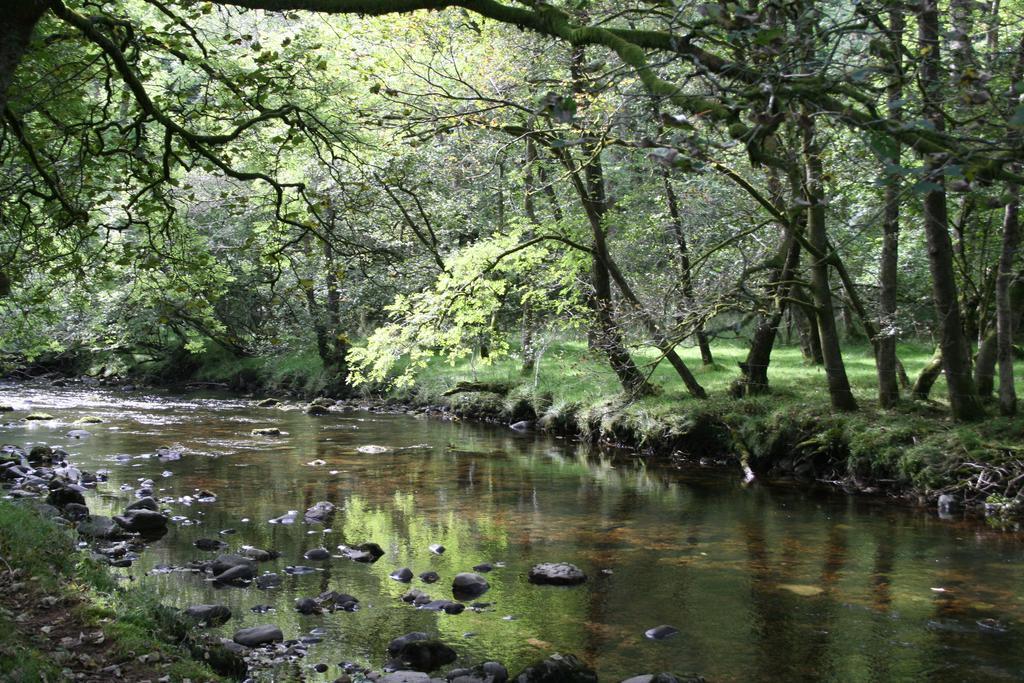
column 61, row 612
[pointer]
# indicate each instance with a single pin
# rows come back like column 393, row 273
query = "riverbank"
column 913, row 452
column 64, row 617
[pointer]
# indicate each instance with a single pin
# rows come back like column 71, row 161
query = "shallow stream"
column 764, row 583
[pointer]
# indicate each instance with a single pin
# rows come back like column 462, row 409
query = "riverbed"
column 763, row 583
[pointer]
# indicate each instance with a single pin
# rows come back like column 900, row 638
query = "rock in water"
column 317, row 554
column 34, row 417
column 240, row 575
column 556, row 574
column 419, row 652
column 209, row 544
column 267, row 403
column 144, row 503
column 307, row 606
column 319, row 513
column 661, row 632
column 404, row 575
column 100, row 527
column 211, row 615
column 259, row 635
column 488, row 672
column 467, row 586
column 430, row 577
column 142, row 521
column 557, row 669
column 665, row 677
column 365, row 552
column 266, row 431
column 226, row 562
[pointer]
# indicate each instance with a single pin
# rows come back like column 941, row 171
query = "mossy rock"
column 481, row 405
column 38, row 417
column 88, row 420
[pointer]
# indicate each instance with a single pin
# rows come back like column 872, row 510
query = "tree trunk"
column 20, row 19
column 1005, row 321
column 926, row 379
column 956, row 363
column 885, row 347
column 835, row 371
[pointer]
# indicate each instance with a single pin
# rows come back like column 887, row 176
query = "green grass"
column 914, row 447
column 49, row 563
column 571, row 374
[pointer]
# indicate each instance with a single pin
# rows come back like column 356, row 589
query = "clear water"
column 764, row 583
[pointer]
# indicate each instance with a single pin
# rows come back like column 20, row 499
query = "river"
column 764, row 583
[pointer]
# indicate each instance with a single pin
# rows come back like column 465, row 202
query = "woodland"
column 665, row 192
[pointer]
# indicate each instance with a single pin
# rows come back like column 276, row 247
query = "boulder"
column 210, row 544
column 40, row 454
column 268, row 580
column 258, row 554
column 466, row 586
column 404, row 575
column 317, row 410
column 661, row 632
column 225, row 562
column 556, row 574
column 38, row 417
column 557, row 669
column 317, row 554
column 100, row 527
column 364, row 552
column 142, row 521
column 307, row 606
column 258, row 635
column 239, row 575
column 65, row 495
column 406, row 677
column 76, row 511
column 211, row 615
column 664, row 677
column 420, row 652
column 319, row 513
column 430, row 577
column 144, row 503
column 488, row 672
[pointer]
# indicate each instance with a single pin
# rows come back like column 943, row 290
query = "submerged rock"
column 317, row 410
column 78, row 434
column 287, row 518
column 420, row 652
column 307, row 606
column 225, row 562
column 661, row 632
column 268, row 580
column 488, row 672
column 211, row 615
column 258, row 635
column 557, row 669
column 430, row 577
column 258, row 554
column 664, row 677
column 466, row 586
column 239, row 575
column 209, row 544
column 556, row 574
column 267, row 403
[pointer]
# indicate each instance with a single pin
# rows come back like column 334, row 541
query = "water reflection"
column 765, row 583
